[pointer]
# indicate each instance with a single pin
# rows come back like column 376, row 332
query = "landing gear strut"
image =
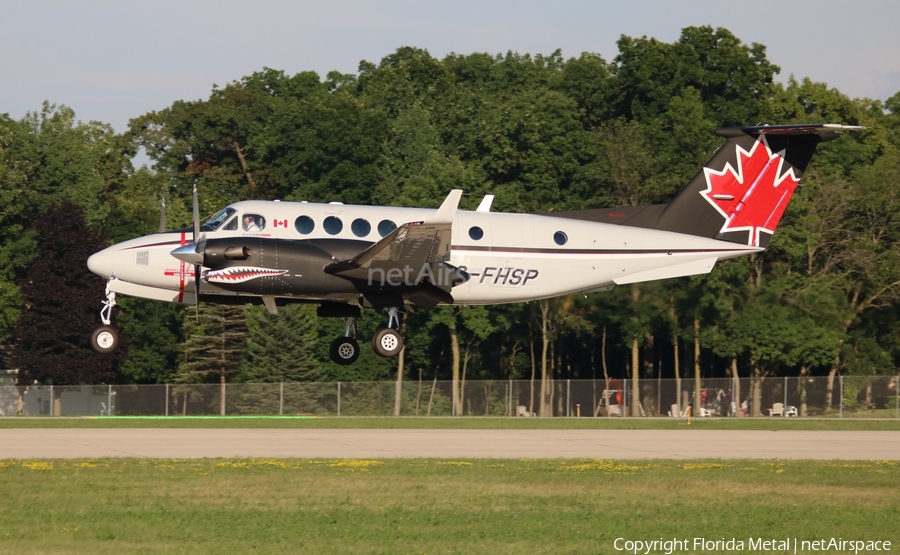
column 345, row 350
column 387, row 342
column 105, row 339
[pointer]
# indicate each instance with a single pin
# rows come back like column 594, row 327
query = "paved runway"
column 313, row 443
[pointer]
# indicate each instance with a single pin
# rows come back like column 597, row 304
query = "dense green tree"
column 541, row 132
column 213, row 348
column 154, row 330
column 414, row 170
column 51, row 341
column 735, row 81
column 46, row 159
column 281, row 347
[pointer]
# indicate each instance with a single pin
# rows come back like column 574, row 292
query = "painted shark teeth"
column 241, row 274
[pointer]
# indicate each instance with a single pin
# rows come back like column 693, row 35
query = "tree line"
column 540, row 132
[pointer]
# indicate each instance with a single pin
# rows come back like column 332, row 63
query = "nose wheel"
column 105, row 340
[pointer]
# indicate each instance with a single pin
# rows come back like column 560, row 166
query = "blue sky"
column 112, row 60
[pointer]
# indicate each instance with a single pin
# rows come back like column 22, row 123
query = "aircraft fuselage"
column 508, row 257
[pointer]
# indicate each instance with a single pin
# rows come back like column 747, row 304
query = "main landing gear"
column 345, row 350
column 387, row 342
column 105, row 339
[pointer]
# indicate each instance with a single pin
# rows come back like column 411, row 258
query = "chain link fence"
column 746, row 397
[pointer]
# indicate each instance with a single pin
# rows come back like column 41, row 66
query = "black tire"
column 387, row 343
column 344, row 350
column 105, row 340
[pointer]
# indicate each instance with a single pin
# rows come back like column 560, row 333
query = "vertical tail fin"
column 742, row 192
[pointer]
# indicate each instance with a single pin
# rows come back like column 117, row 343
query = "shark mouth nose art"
column 241, row 274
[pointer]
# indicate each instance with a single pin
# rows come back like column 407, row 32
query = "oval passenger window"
column 560, row 238
column 304, row 225
column 333, row 225
column 385, row 227
column 360, row 227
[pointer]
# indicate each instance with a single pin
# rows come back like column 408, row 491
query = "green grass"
column 426, row 506
column 762, row 423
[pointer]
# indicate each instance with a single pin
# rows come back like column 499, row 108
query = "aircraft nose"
column 101, row 263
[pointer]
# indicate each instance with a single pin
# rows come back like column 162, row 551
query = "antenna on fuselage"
column 162, row 214
column 485, row 205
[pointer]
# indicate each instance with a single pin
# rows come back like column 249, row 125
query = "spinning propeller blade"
column 196, row 216
column 198, row 248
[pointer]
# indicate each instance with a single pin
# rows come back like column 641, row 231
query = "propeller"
column 194, row 253
column 200, row 242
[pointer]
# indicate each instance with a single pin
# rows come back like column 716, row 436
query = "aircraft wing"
column 413, row 257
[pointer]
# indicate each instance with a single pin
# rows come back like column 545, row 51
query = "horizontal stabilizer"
column 741, row 194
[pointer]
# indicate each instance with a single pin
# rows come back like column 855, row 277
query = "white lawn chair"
column 777, row 409
column 790, row 410
column 522, row 410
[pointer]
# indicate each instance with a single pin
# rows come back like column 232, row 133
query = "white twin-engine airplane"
column 344, row 258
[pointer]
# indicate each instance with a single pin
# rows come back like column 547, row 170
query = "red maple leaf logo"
column 753, row 196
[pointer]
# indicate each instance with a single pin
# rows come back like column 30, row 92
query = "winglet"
column 445, row 213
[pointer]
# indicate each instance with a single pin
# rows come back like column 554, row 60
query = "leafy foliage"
column 541, row 132
column 281, row 348
column 52, row 337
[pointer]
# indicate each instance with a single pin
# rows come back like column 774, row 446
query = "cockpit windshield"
column 216, row 221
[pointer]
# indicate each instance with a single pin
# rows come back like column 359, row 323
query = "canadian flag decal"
column 281, row 223
column 753, row 196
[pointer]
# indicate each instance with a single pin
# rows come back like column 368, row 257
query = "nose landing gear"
column 105, row 339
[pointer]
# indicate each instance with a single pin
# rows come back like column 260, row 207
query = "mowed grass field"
column 495, row 506
column 432, row 506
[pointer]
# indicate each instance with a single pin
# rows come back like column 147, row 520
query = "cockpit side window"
column 253, row 222
column 231, row 225
column 216, row 221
